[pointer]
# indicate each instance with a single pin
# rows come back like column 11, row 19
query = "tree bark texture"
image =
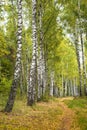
column 31, row 97
column 78, row 60
column 82, row 46
column 41, row 64
column 13, row 91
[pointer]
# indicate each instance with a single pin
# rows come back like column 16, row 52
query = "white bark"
column 51, row 83
column 82, row 46
column 14, row 86
column 33, row 69
column 41, row 61
column 78, row 58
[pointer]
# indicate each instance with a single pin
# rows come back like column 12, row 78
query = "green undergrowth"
column 3, row 99
column 79, row 106
column 77, row 103
column 42, row 115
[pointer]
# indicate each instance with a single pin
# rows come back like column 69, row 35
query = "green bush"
column 5, row 85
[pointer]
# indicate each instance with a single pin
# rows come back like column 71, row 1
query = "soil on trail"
column 68, row 119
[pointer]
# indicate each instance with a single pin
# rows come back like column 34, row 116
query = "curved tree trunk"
column 33, row 69
column 12, row 95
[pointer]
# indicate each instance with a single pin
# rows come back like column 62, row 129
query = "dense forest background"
column 43, row 49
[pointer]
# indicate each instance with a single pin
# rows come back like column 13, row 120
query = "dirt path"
column 68, row 118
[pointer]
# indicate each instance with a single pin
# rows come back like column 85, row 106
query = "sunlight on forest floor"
column 52, row 115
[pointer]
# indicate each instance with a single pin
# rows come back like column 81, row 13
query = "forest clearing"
column 43, row 64
column 57, row 114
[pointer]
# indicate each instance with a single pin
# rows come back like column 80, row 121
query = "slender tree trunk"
column 74, row 87
column 33, row 70
column 13, row 91
column 69, row 89
column 40, row 58
column 56, row 91
column 21, row 85
column 82, row 46
column 27, row 70
column 66, row 83
column 78, row 61
column 62, row 84
column 41, row 64
column 83, row 63
column 51, row 83
column 22, row 79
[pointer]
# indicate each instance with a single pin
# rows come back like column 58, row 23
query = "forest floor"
column 56, row 114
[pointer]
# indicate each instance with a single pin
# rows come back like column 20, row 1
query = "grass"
column 42, row 116
column 79, row 105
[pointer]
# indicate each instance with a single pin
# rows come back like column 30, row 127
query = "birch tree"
column 13, row 91
column 78, row 61
column 82, row 45
column 51, row 83
column 41, row 59
column 31, row 94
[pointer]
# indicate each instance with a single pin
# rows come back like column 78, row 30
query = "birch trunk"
column 27, row 70
column 67, row 88
column 41, row 64
column 21, row 84
column 66, row 83
column 74, row 86
column 82, row 47
column 51, row 83
column 40, row 59
column 70, row 88
column 56, row 91
column 12, row 95
column 78, row 61
column 31, row 96
column 62, row 84
column 22, row 79
column 83, row 63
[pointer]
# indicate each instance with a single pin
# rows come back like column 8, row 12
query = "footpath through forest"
column 52, row 115
column 68, row 120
